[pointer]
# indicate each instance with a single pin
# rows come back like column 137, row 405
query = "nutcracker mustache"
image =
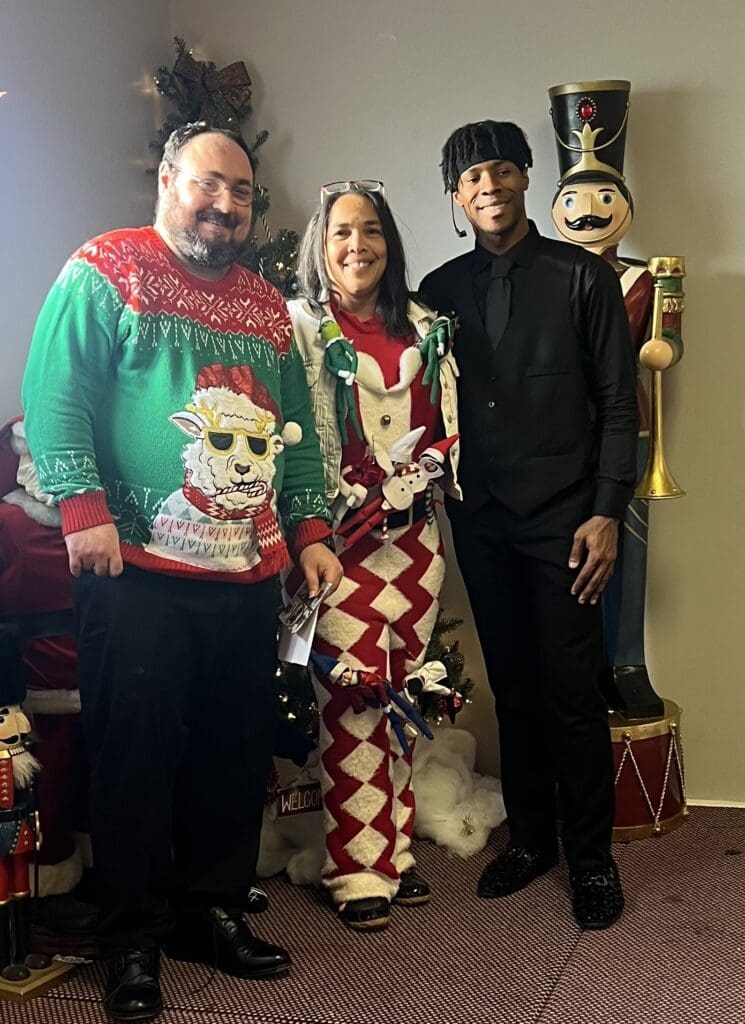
column 587, row 222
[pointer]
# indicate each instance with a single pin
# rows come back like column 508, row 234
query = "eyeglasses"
column 336, row 188
column 223, row 442
column 243, row 195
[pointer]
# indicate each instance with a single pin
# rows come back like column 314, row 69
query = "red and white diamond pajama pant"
column 380, row 619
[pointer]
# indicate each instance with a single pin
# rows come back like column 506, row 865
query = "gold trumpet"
column 663, row 350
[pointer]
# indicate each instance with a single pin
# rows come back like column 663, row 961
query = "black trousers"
column 177, row 683
column 543, row 654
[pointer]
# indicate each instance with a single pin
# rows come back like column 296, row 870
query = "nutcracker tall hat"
column 590, row 120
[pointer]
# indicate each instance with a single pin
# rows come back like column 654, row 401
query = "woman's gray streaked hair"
column 316, row 284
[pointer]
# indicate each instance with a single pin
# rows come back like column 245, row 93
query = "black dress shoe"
column 412, row 890
column 366, row 915
column 512, row 870
column 133, row 988
column 223, row 940
column 597, row 897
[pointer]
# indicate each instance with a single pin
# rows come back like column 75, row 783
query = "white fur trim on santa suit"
column 52, row 702
column 61, row 878
column 34, row 509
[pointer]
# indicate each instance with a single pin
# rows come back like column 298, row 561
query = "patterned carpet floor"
column 677, row 956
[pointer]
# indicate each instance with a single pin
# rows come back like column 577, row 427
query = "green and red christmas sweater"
column 176, row 408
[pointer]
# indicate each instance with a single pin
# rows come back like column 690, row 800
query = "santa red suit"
column 35, row 591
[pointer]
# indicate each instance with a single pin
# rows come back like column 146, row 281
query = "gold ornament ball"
column 656, row 354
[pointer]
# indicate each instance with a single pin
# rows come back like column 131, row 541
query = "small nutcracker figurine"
column 593, row 207
column 19, row 832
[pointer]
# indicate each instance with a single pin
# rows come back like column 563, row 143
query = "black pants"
column 177, row 682
column 543, row 654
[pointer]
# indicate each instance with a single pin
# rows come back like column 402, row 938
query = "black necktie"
column 497, row 308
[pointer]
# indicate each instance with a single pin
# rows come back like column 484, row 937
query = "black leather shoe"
column 412, row 890
column 597, row 897
column 366, row 915
column 512, row 870
column 223, row 940
column 133, row 988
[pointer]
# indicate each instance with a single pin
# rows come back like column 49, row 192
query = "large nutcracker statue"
column 593, row 207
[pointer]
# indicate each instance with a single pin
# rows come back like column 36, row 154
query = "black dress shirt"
column 554, row 404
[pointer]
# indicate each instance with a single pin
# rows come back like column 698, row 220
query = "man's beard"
column 193, row 248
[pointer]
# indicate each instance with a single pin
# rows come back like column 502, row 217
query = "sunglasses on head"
column 336, row 188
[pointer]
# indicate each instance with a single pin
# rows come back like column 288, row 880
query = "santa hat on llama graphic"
column 242, row 381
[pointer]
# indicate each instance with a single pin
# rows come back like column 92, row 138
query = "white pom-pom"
column 292, row 433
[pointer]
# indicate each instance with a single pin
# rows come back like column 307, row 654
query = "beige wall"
column 74, row 133
column 350, row 88
column 358, row 89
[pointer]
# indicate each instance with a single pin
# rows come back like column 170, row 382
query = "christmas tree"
column 222, row 99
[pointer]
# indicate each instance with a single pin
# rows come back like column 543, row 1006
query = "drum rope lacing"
column 672, row 749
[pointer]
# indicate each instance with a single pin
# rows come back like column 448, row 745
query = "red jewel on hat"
column 586, row 109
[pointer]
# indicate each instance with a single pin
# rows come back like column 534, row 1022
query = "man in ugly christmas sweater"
column 150, row 338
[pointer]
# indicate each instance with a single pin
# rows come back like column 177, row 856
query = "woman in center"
column 382, row 382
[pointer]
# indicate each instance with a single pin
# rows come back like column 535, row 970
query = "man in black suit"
column 548, row 441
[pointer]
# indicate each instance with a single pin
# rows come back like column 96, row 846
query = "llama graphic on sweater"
column 224, row 517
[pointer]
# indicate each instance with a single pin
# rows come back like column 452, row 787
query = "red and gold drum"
column 650, row 775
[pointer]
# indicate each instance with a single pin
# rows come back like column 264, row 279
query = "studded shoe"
column 512, row 870
column 597, row 897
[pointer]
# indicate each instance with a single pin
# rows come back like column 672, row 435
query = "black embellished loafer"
column 366, row 915
column 512, row 870
column 412, row 890
column 133, row 986
column 223, row 940
column 597, row 897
